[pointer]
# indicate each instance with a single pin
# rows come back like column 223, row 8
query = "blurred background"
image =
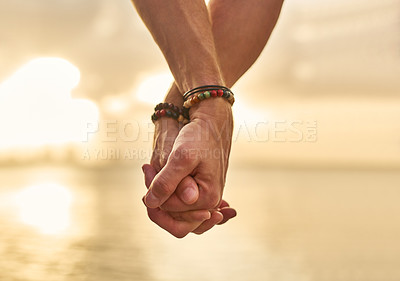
column 315, row 163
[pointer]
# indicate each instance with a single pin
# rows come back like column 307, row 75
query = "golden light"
column 49, row 77
column 248, row 114
column 115, row 104
column 249, row 120
column 36, row 107
column 153, row 88
column 46, row 207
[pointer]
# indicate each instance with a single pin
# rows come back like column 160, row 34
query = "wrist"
column 197, row 81
column 214, row 109
column 165, row 124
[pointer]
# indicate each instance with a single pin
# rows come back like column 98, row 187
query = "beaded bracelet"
column 203, row 89
column 168, row 110
column 201, row 93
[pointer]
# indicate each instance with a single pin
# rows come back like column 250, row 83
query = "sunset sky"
column 335, row 63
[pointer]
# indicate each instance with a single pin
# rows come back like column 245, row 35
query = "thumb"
column 188, row 191
column 166, row 181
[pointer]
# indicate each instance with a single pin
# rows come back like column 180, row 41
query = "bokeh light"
column 37, row 98
column 45, row 207
column 153, row 88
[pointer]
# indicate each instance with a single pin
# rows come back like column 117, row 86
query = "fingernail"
column 189, row 194
column 143, row 168
column 208, row 216
column 152, row 201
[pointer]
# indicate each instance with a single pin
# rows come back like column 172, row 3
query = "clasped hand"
column 187, row 172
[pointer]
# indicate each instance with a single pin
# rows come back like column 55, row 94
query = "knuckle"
column 177, row 216
column 213, row 200
column 176, row 231
column 159, row 157
column 162, row 186
column 184, row 154
column 152, row 218
column 185, row 157
column 169, row 207
column 166, row 207
column 179, row 233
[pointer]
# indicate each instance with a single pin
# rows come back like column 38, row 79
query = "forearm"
column 241, row 29
column 182, row 30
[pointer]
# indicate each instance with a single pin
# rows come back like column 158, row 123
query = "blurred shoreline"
column 253, row 166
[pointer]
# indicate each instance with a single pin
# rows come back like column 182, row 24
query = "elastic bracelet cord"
column 197, row 95
column 168, row 110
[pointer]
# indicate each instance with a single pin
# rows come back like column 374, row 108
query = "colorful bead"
column 195, row 99
column 198, row 94
column 185, row 112
column 188, row 104
column 168, row 110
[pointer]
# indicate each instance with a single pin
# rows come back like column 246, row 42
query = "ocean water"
column 73, row 224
